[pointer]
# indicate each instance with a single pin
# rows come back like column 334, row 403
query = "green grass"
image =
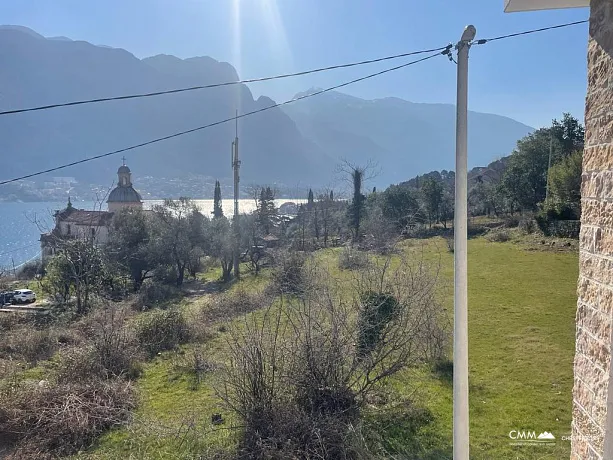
column 521, row 346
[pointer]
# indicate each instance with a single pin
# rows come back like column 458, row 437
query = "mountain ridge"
column 297, row 144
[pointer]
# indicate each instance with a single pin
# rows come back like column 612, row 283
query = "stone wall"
column 595, row 287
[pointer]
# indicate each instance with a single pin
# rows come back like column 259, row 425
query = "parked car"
column 6, row 297
column 24, row 296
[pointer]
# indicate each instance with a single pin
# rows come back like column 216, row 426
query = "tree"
column 357, row 207
column 129, row 245
column 266, row 209
column 432, row 196
column 178, row 231
column 327, row 209
column 399, row 205
column 217, row 209
column 310, row 200
column 76, row 268
column 565, row 185
column 251, row 241
column 525, row 178
column 570, row 133
column 447, row 208
column 221, row 245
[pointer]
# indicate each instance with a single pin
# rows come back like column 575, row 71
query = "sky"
column 532, row 79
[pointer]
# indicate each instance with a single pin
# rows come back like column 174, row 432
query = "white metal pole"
column 460, row 231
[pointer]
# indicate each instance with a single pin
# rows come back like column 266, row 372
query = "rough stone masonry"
column 595, row 286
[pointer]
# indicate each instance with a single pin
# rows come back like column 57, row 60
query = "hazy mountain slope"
column 38, row 71
column 405, row 138
column 300, row 144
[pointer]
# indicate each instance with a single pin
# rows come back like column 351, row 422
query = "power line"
column 210, row 125
column 217, row 85
column 482, row 41
column 18, row 249
column 274, row 77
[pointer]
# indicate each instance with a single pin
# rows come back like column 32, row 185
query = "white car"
column 24, row 296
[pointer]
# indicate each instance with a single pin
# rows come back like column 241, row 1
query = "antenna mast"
column 236, row 166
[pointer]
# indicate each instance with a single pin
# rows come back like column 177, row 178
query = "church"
column 91, row 225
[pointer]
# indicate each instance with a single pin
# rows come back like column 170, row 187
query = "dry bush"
column 56, row 420
column 154, row 292
column 527, row 225
column 350, row 258
column 111, row 349
column 299, row 378
column 29, row 344
column 228, row 305
column 288, row 273
column 9, row 321
column 161, row 330
column 498, row 236
column 511, row 222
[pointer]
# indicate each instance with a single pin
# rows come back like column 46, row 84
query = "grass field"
column 521, row 347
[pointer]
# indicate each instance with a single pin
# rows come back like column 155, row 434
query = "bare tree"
column 303, row 369
column 357, row 175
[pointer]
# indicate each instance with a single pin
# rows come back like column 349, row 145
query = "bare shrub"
column 29, row 344
column 161, row 330
column 300, row 375
column 499, row 236
column 450, row 243
column 288, row 272
column 9, row 321
column 111, row 350
column 153, row 293
column 229, row 305
column 350, row 258
column 56, row 420
column 511, row 222
column 528, row 225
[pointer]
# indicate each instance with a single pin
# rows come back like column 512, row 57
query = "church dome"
column 124, row 195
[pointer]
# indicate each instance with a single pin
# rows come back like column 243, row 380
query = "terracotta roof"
column 83, row 217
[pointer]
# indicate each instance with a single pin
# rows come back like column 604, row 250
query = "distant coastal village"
column 57, row 188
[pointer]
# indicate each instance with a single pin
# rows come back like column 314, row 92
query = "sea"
column 22, row 223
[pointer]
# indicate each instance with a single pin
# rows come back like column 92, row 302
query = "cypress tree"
column 217, row 210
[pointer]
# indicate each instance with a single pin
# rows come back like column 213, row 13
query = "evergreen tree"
column 266, row 209
column 357, row 207
column 217, row 210
column 310, row 200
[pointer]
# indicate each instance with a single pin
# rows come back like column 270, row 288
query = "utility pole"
column 236, row 164
column 460, row 234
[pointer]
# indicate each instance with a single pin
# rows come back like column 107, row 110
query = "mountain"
column 39, row 71
column 490, row 174
column 301, row 143
column 404, row 137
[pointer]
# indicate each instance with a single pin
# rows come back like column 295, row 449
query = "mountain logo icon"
column 545, row 435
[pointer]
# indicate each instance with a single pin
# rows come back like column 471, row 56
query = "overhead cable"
column 217, row 85
column 227, row 120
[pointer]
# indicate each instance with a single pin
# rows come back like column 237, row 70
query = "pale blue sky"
column 532, row 79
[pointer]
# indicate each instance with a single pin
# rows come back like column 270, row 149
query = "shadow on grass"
column 409, row 432
column 443, row 370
